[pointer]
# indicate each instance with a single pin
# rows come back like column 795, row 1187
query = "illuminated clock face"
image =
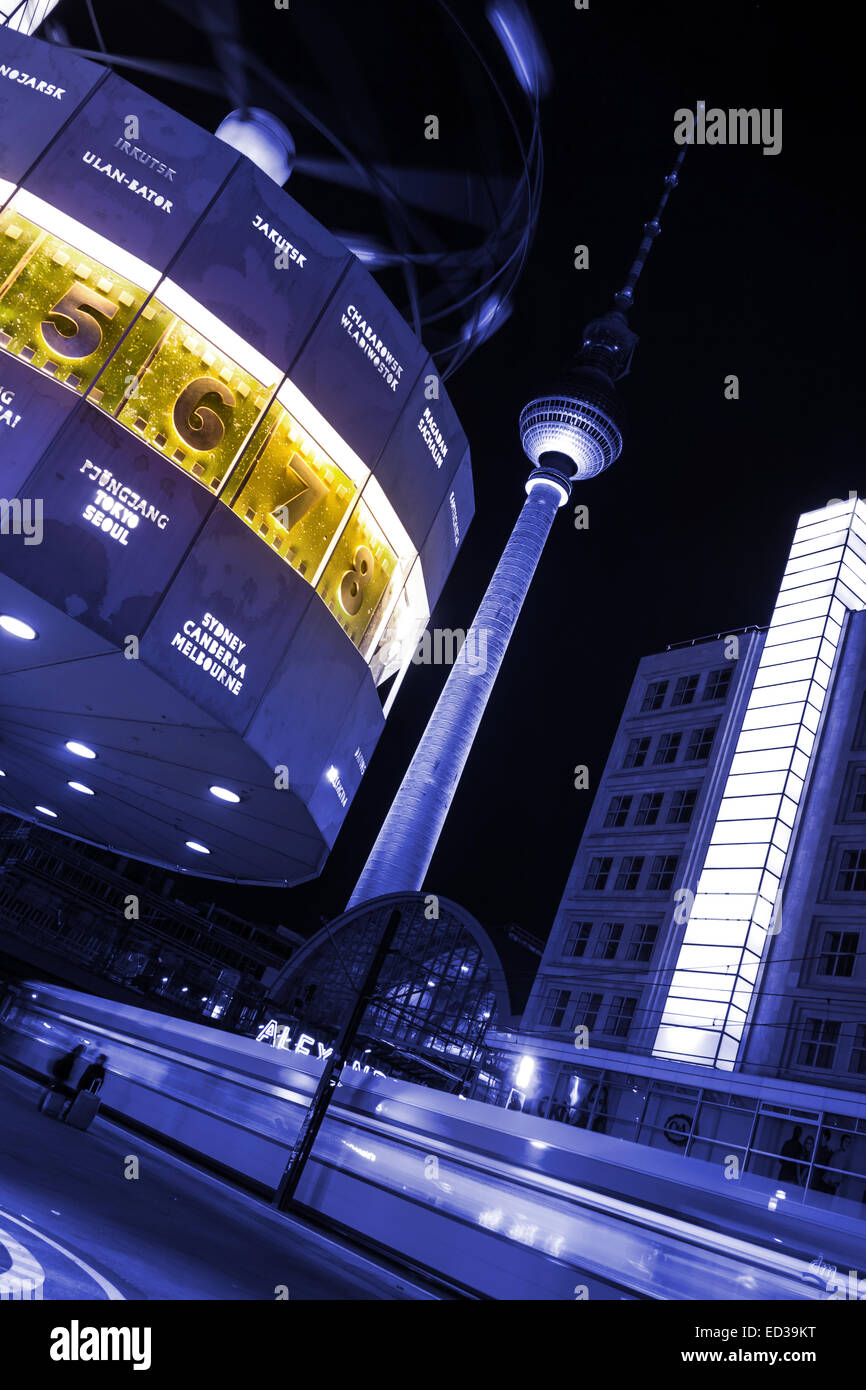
column 295, row 496
column 246, row 473
column 179, row 387
column 190, row 401
column 60, row 310
column 358, row 574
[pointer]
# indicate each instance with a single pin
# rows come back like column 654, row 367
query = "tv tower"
column 572, row 433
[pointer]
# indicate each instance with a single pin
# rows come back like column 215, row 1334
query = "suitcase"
column 82, row 1110
column 52, row 1103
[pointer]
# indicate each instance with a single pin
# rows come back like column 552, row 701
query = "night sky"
column 756, row 273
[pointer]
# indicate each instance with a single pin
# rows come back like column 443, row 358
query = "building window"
column 667, row 749
column 684, row 690
column 661, row 875
column 629, row 873
column 838, row 953
column 819, row 1042
column 851, row 877
column 860, row 731
column 597, row 874
column 654, row 697
column 617, row 812
column 586, row 1013
column 554, row 1008
column 620, row 1016
column 576, row 938
column 859, row 803
column 636, row 752
column 641, row 945
column 682, row 805
column 718, row 683
column 608, row 942
column 700, row 743
column 858, row 1051
column 648, row 810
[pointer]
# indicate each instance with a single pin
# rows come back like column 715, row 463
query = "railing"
column 511, row 1205
column 717, row 636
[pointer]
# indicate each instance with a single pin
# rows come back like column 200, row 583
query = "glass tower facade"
column 738, row 904
column 703, row 987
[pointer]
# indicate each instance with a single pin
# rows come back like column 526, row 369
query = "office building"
column 704, row 982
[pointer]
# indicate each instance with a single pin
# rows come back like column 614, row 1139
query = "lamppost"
column 569, row 434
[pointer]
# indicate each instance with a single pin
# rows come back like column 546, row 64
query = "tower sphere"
column 581, row 420
column 262, row 138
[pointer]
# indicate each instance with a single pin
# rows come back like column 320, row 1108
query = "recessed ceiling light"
column 16, row 628
column 45, row 812
column 80, row 787
column 80, row 750
column 223, row 794
column 2, row 773
column 199, row 849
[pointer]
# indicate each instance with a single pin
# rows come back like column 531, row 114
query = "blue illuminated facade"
column 647, row 887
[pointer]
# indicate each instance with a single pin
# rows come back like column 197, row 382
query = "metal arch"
column 482, row 939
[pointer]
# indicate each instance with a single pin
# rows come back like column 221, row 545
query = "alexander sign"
column 277, row 1034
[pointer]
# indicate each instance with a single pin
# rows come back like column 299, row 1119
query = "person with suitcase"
column 86, row 1102
column 54, row 1099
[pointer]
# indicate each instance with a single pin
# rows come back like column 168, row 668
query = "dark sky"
column 758, row 272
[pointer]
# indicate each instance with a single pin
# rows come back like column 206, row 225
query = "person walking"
column 86, row 1103
column 92, row 1077
column 59, row 1090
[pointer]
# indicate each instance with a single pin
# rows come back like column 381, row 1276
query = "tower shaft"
column 573, row 432
column 405, row 844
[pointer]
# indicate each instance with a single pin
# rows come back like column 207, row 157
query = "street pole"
column 312, row 1121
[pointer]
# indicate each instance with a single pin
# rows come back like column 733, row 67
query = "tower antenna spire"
column 608, row 342
column 625, row 297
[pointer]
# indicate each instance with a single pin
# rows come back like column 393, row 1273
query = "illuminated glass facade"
column 727, row 821
column 729, row 748
column 735, row 910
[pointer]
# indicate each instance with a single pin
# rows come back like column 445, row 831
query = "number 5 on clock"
column 77, row 306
